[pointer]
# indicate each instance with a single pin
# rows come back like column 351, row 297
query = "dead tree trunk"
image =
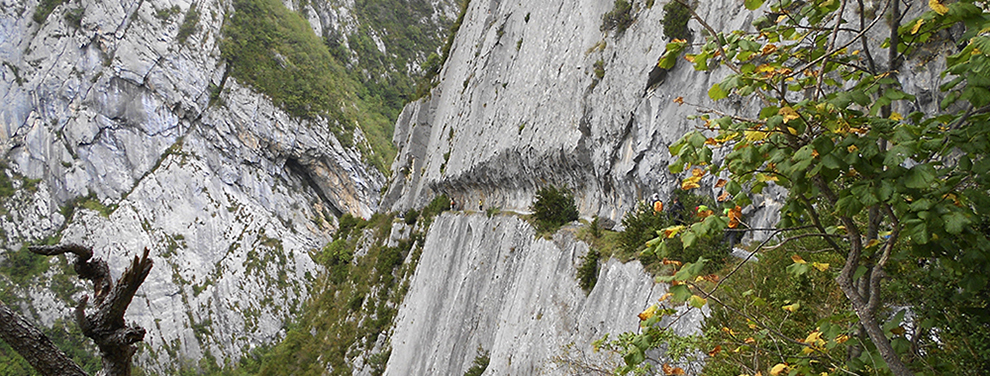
column 105, row 325
column 34, row 346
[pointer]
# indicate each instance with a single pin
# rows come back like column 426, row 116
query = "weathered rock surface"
column 117, row 114
column 519, row 106
column 490, row 284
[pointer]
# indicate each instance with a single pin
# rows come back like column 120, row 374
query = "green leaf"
column 798, row 269
column 697, row 301
column 716, row 93
column 955, row 222
column 753, row 4
column 634, row 357
column 920, row 176
column 688, row 238
column 894, row 321
column 860, row 271
column 680, row 293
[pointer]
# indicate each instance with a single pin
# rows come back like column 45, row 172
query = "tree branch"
column 106, row 326
column 34, row 346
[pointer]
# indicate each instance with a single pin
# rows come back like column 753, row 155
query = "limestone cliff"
column 520, row 105
column 533, row 94
column 122, row 129
column 490, row 285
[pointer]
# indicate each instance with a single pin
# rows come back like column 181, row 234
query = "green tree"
column 553, row 207
column 883, row 192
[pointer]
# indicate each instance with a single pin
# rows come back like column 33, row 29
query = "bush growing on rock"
column 619, row 18
column 553, row 207
column 675, row 20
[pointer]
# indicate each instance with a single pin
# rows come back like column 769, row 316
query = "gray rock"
column 229, row 196
column 489, row 283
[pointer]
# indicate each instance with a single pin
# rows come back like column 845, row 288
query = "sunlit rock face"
column 120, row 134
column 489, row 285
column 535, row 93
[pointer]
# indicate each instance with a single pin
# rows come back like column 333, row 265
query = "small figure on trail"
column 481, row 205
column 677, row 211
column 453, row 205
column 732, row 235
column 657, row 204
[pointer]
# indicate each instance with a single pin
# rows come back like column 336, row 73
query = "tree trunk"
column 34, row 346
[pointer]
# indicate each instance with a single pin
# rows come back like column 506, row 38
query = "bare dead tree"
column 105, row 325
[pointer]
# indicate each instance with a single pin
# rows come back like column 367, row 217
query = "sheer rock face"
column 229, row 195
column 490, row 284
column 535, row 93
column 520, row 106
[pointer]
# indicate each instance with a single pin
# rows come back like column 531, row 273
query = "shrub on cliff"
column 619, row 18
column 675, row 20
column 553, row 208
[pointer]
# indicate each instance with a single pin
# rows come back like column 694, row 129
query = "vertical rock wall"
column 489, row 284
column 121, row 134
column 520, row 106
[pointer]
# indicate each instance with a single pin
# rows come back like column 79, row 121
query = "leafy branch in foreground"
column 894, row 200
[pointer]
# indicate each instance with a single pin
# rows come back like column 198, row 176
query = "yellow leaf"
column 761, row 177
column 788, row 113
column 820, row 266
column 798, row 259
column 679, row 100
column 781, row 18
column 697, row 172
column 697, row 301
column 852, row 148
column 778, row 369
column 728, row 331
column 720, row 183
column 724, row 196
column 649, row 312
column 841, row 339
column 769, row 49
column 754, row 136
column 895, row 116
column 715, row 351
column 668, row 370
column 749, row 340
column 688, row 185
column 815, row 339
column 735, row 214
column 937, row 6
column 792, row 307
column 917, row 26
column 792, row 131
column 689, row 58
